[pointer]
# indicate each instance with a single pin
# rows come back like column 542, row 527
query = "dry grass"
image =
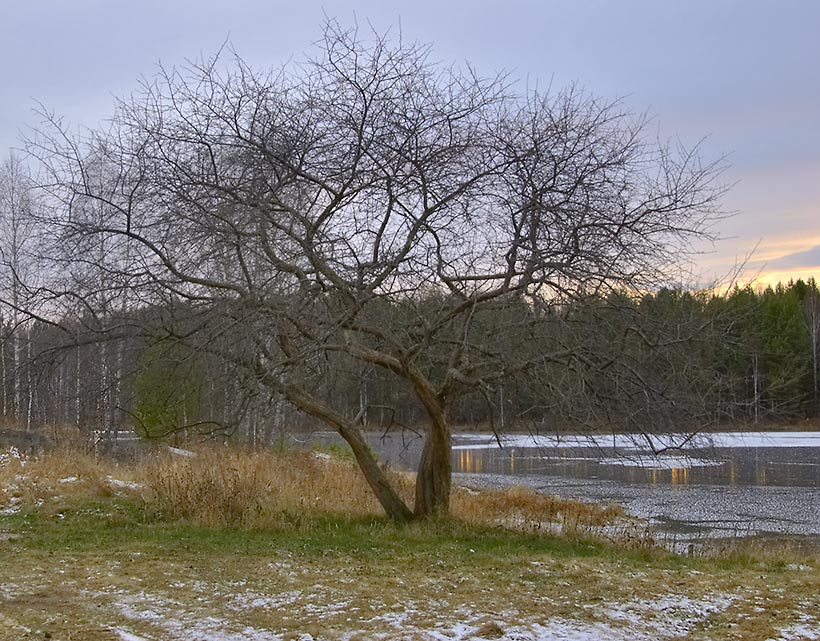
column 275, row 490
column 65, row 472
column 220, row 486
column 524, row 509
column 169, row 578
column 267, row 489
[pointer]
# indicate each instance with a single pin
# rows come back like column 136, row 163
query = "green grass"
column 89, row 559
column 84, row 526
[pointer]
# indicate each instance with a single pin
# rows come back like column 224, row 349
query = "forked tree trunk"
column 434, row 475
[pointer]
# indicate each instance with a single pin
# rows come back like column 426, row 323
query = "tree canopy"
column 371, row 206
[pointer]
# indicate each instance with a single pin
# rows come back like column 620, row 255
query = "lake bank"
column 719, row 485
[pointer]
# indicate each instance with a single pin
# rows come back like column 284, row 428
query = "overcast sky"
column 744, row 74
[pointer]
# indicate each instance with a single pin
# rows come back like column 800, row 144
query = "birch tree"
column 17, row 220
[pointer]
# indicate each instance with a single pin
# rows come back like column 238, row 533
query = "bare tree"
column 17, row 221
column 371, row 205
column 811, row 311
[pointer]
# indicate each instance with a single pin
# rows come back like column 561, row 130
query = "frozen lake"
column 724, row 484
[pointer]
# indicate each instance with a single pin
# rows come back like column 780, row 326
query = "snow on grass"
column 800, row 631
column 13, row 506
column 673, row 615
column 177, row 623
column 123, row 485
column 227, row 616
column 248, row 600
column 670, row 617
column 327, row 610
column 127, row 636
column 11, row 454
column 10, row 625
column 178, row 451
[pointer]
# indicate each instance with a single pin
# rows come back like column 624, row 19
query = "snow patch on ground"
column 13, row 506
column 649, row 620
column 127, row 636
column 123, row 485
column 178, row 451
column 248, row 600
column 156, row 617
column 800, row 632
column 11, row 454
column 176, row 623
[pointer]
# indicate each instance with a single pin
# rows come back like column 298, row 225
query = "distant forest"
column 747, row 356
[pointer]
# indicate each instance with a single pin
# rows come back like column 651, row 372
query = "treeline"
column 746, row 356
column 771, row 351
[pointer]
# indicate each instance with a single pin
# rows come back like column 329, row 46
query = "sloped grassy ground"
column 234, row 546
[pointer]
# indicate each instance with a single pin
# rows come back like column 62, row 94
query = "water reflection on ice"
column 725, row 484
column 660, row 462
column 654, row 442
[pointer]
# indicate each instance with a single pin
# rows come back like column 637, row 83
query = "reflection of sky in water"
column 733, row 490
column 785, row 459
column 745, row 458
column 660, row 462
column 799, row 467
column 642, row 441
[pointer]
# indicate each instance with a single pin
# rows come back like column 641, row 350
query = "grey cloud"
column 741, row 72
column 798, row 260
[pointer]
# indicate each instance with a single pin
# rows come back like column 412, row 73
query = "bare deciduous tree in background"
column 371, row 205
column 17, row 222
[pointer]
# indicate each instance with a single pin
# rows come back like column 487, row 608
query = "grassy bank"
column 233, row 545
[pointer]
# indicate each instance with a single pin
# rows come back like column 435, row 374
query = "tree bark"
column 3, row 367
column 434, row 475
column 393, row 505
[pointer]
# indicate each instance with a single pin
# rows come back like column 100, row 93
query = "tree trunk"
column 434, row 476
column 77, row 380
column 16, row 361
column 756, row 380
column 30, row 383
column 115, row 401
column 393, row 505
column 3, row 361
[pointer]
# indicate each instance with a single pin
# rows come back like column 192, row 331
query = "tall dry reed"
column 217, row 486
column 221, row 486
column 68, row 471
column 523, row 508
